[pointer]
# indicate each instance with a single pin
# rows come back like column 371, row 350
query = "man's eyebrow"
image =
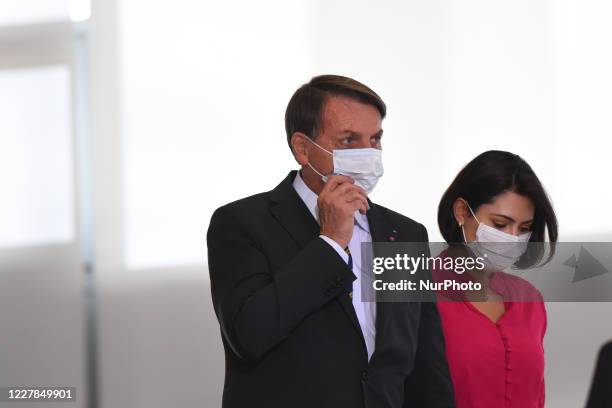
column 350, row 133
column 357, row 134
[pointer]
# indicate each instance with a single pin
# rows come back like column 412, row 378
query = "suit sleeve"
column 429, row 385
column 257, row 307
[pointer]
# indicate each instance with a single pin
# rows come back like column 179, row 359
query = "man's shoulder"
column 246, row 205
column 255, row 204
column 396, row 217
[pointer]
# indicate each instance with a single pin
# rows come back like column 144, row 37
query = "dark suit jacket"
column 600, row 395
column 290, row 332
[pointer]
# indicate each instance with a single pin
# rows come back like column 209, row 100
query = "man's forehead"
column 343, row 113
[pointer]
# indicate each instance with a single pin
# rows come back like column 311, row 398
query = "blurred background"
column 124, row 124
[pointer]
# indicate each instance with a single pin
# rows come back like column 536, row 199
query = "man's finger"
column 342, row 190
column 355, row 187
column 348, row 189
column 358, row 205
column 352, row 193
column 334, row 180
column 359, row 201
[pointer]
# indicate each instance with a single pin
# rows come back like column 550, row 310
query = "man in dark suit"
column 600, row 395
column 285, row 269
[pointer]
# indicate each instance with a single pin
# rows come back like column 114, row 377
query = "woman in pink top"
column 494, row 336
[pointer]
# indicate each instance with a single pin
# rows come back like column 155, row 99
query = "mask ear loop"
column 463, row 232
column 320, row 147
column 470, row 208
column 323, row 177
column 461, row 224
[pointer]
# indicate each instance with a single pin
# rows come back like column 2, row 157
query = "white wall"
column 188, row 102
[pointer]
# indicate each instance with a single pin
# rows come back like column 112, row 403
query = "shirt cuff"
column 336, row 246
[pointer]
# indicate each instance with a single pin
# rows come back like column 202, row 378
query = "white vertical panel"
column 36, row 158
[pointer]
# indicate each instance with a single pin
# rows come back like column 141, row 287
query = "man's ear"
column 298, row 147
column 460, row 210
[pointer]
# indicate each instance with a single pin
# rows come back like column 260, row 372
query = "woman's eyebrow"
column 503, row 216
column 511, row 219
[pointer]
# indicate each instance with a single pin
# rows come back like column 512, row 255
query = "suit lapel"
column 291, row 212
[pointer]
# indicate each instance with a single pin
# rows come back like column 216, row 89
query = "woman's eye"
column 500, row 226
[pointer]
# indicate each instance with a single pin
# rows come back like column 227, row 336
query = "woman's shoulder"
column 515, row 288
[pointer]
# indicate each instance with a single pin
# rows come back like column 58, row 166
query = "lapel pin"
column 392, row 237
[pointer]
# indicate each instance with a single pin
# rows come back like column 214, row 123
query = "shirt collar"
column 310, row 199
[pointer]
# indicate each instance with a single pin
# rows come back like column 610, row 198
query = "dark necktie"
column 349, row 284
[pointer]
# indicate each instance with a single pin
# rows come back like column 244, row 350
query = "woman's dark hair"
column 483, row 179
column 305, row 109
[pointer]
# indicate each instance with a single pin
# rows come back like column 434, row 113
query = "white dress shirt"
column 366, row 311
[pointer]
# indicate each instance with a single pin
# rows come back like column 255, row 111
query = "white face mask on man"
column 363, row 165
column 499, row 249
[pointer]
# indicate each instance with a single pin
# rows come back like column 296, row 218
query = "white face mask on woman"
column 364, row 165
column 499, row 249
